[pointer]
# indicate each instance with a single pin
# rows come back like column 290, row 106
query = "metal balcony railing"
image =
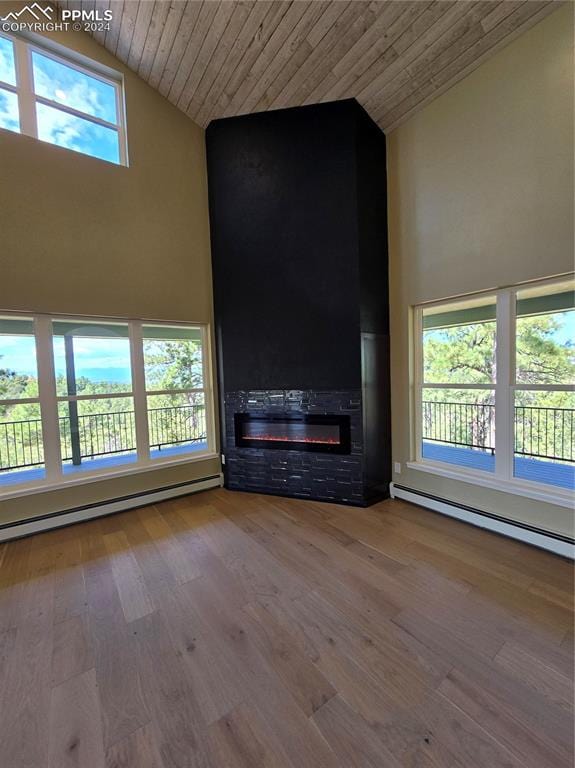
column 543, row 433
column 468, row 425
column 21, row 444
column 100, row 434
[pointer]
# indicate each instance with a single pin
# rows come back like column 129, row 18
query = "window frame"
column 63, row 398
column 147, row 393
column 49, row 400
column 24, row 45
column 8, row 401
column 421, row 384
column 505, row 388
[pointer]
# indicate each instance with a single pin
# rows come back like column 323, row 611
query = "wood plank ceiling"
column 227, row 57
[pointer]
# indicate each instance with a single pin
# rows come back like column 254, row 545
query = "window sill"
column 536, row 491
column 43, row 486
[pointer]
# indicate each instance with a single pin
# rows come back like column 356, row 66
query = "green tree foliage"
column 12, row 386
column 173, row 364
column 169, row 365
column 541, row 359
column 466, row 354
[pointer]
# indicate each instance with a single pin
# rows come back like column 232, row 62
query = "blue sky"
column 97, row 359
column 565, row 334
column 108, row 359
column 8, row 101
column 7, row 70
column 68, row 87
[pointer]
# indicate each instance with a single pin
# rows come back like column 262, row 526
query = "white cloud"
column 9, row 115
column 7, row 74
column 67, row 86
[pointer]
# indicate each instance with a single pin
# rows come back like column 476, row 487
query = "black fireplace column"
column 299, row 249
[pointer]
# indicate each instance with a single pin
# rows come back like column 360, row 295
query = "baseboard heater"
column 20, row 528
column 529, row 534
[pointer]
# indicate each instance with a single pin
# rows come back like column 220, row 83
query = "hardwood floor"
column 241, row 631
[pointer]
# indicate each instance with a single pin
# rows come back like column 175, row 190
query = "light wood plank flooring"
column 231, row 630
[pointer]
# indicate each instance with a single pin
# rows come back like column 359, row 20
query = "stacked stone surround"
column 305, row 474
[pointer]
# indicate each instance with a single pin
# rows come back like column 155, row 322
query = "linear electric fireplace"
column 294, row 432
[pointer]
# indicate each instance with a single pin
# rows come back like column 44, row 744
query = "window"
column 62, row 102
column 459, row 376
column 174, row 375
column 495, row 379
column 83, row 397
column 21, row 437
column 94, row 388
column 544, row 400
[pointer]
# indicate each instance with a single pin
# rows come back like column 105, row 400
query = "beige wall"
column 79, row 235
column 480, row 197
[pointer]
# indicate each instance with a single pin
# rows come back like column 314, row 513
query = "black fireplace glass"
column 294, row 432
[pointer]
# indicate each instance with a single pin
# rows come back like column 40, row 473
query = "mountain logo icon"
column 35, row 10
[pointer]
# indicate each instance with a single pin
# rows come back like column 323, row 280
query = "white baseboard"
column 558, row 545
column 27, row 527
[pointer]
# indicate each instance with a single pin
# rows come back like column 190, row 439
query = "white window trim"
column 24, row 45
column 42, row 486
column 48, row 399
column 139, row 393
column 502, row 479
column 537, row 491
column 209, row 394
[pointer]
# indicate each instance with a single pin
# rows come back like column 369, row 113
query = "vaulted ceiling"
column 227, row 57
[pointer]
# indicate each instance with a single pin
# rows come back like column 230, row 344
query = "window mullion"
column 544, row 387
column 93, row 396
column 503, row 388
column 8, row 87
column 139, row 391
column 48, row 399
column 186, row 391
column 121, row 116
column 454, row 385
column 25, row 80
column 76, row 113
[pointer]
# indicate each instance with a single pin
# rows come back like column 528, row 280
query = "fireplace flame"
column 292, row 439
